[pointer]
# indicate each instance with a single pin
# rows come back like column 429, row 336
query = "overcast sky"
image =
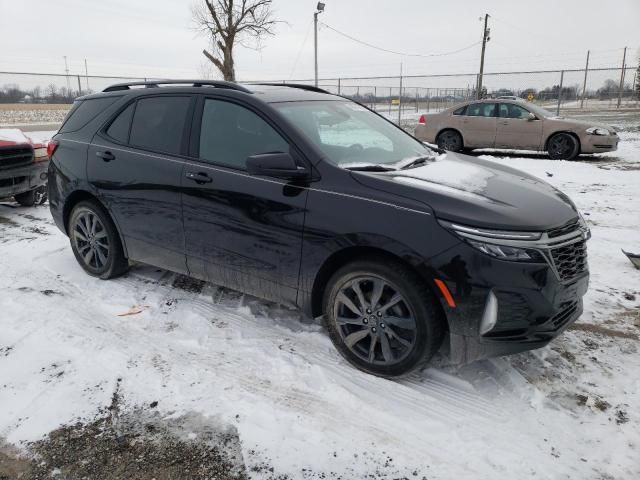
column 147, row 38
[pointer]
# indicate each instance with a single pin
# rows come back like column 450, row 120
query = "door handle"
column 199, row 177
column 107, row 156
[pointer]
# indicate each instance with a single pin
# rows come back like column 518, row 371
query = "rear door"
column 479, row 125
column 515, row 128
column 241, row 231
column 136, row 165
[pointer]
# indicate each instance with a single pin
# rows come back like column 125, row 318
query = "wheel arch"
column 78, row 196
column 353, row 253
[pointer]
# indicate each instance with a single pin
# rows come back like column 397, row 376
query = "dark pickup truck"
column 23, row 168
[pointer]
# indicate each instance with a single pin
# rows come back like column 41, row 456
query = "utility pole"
column 584, row 85
column 66, row 70
column 86, row 73
column 485, row 39
column 400, row 97
column 319, row 10
column 624, row 59
column 560, row 93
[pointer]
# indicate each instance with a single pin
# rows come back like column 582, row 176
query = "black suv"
column 301, row 197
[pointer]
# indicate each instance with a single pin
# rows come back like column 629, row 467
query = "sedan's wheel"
column 95, row 242
column 382, row 318
column 563, row 146
column 450, row 140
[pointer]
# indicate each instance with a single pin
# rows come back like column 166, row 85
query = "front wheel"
column 563, row 146
column 450, row 140
column 382, row 318
column 95, row 241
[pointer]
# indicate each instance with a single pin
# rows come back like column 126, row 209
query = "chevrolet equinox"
column 294, row 195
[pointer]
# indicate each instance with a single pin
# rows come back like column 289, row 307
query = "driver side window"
column 509, row 110
column 230, row 133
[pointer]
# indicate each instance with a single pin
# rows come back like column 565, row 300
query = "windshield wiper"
column 416, row 162
column 370, row 168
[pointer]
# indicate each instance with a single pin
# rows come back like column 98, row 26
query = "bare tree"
column 231, row 22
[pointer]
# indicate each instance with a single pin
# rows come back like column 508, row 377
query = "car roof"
column 266, row 92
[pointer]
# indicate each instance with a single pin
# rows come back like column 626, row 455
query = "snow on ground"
column 70, row 342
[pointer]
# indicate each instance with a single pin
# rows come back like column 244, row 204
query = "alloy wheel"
column 374, row 320
column 91, row 240
column 450, row 141
column 560, row 146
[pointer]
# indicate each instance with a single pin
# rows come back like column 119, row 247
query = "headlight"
column 584, row 226
column 495, row 242
column 505, row 252
column 597, row 131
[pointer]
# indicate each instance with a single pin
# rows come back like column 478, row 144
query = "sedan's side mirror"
column 531, row 116
column 276, row 164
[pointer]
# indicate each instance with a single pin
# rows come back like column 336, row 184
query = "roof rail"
column 194, row 83
column 301, row 86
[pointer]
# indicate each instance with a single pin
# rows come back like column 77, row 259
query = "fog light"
column 490, row 315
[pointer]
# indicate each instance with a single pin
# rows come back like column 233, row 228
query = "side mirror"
column 531, row 116
column 277, row 164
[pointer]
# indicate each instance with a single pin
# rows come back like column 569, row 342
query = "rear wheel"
column 95, row 241
column 450, row 140
column 563, row 146
column 382, row 318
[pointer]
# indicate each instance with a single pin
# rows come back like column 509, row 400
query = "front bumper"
column 598, row 143
column 533, row 304
column 14, row 181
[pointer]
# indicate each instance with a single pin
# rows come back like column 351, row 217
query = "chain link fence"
column 32, row 97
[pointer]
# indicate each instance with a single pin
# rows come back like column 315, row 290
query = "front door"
column 134, row 165
column 516, row 129
column 241, row 231
column 479, row 125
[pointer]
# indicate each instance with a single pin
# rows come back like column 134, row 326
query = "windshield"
column 539, row 111
column 350, row 135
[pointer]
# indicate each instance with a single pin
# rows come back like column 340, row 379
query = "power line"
column 399, row 53
column 304, row 42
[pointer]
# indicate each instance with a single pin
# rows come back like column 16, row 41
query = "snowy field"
column 271, row 394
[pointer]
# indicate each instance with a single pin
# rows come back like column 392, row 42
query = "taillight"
column 51, row 148
column 421, row 120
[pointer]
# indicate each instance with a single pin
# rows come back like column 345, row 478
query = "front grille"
column 568, row 228
column 570, row 260
column 11, row 156
column 11, row 181
column 567, row 310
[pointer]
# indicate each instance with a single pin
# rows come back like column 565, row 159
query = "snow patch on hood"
column 14, row 135
column 461, row 176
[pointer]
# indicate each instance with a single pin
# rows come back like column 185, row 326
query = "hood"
column 14, row 136
column 480, row 193
column 578, row 125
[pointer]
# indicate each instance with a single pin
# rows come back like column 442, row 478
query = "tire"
column 563, row 146
column 414, row 329
column 95, row 241
column 450, row 140
column 37, row 196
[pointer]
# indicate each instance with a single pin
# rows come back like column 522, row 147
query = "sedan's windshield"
column 350, row 135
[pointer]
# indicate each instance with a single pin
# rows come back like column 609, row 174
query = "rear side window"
column 119, row 128
column 460, row 111
column 158, row 123
column 84, row 111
